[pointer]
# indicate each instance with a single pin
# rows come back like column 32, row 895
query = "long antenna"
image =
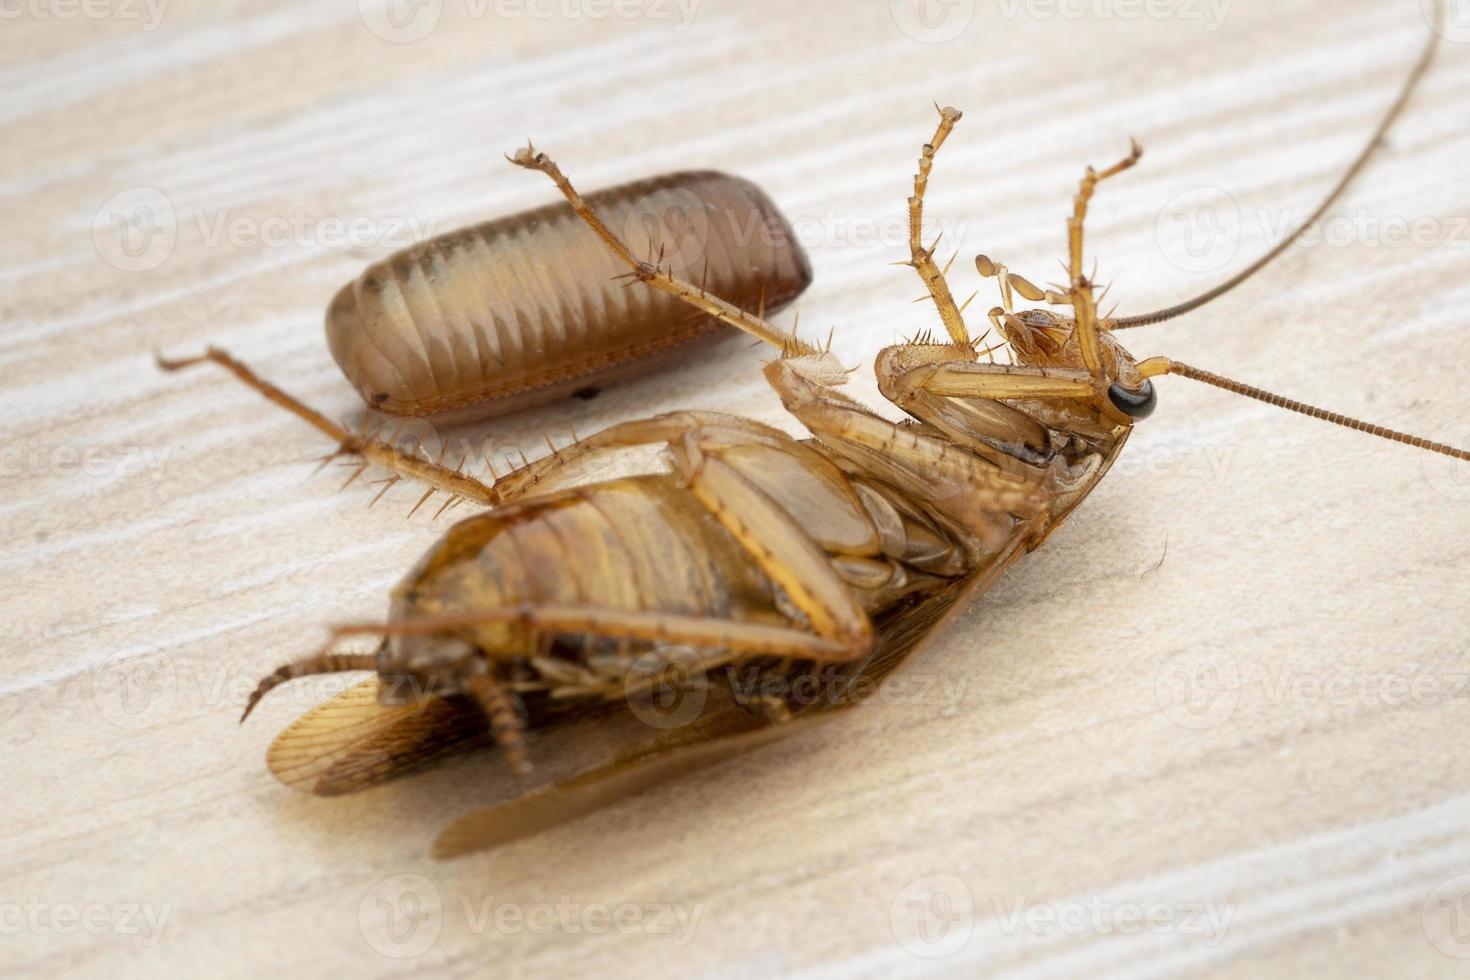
column 1162, row 365
column 1394, row 112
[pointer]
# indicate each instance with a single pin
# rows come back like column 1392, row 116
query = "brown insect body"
column 741, row 546
column 523, row 309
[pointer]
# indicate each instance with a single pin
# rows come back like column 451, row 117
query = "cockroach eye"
column 1138, row 404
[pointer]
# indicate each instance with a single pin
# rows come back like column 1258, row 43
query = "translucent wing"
column 645, row 768
column 716, row 738
column 352, row 741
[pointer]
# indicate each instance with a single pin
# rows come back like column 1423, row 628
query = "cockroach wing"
column 564, row 802
column 713, row 739
column 352, row 742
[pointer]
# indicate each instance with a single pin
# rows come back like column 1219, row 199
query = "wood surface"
column 1233, row 685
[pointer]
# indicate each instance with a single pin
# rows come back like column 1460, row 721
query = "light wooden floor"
column 1230, row 695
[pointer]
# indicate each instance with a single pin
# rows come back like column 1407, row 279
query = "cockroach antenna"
column 1156, row 366
column 1389, row 118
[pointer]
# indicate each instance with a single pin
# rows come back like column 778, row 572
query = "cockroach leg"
column 700, row 632
column 960, row 483
column 537, row 474
column 1084, row 304
column 1010, row 284
column 321, row 662
column 506, row 723
column 997, row 381
column 782, row 549
column 761, row 329
column 438, row 476
column 921, row 258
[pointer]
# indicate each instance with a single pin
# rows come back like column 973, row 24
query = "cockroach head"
column 1041, row 338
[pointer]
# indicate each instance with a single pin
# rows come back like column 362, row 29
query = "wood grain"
column 1234, row 682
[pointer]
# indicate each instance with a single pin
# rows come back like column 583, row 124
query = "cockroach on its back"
column 750, row 551
column 527, row 308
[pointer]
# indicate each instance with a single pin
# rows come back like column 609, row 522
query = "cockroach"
column 523, row 309
column 746, row 549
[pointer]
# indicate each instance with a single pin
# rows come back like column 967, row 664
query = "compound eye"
column 1138, row 404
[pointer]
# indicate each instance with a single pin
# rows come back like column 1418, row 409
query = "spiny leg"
column 779, row 546
column 436, row 475
column 505, row 721
column 1084, row 304
column 660, row 279
column 970, row 487
column 321, row 662
column 543, row 473
column 672, row 629
column 922, row 259
column 773, row 539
